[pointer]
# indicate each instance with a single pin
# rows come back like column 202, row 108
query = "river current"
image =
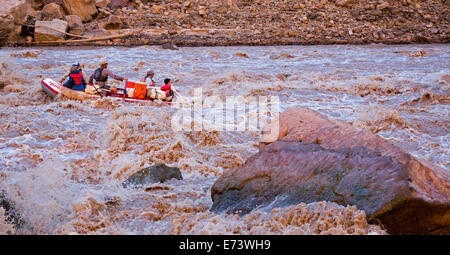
column 62, row 161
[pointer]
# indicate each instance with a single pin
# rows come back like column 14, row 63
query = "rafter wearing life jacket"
column 98, row 75
column 149, row 81
column 167, row 88
column 76, row 81
column 101, row 76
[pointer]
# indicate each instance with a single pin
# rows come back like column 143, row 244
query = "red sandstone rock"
column 44, row 34
column 313, row 158
column 111, row 23
column 54, row 11
column 85, row 9
column 75, row 24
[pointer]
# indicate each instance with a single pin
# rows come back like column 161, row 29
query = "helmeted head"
column 75, row 67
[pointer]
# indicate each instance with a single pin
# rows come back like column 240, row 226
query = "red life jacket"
column 168, row 89
column 77, row 78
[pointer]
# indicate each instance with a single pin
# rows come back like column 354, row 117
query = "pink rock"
column 312, row 158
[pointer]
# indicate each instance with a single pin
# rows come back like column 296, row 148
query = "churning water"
column 62, row 161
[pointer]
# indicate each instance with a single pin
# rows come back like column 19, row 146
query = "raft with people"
column 53, row 88
column 77, row 88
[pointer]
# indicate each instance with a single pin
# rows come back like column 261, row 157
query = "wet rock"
column 169, row 46
column 12, row 216
column 53, row 11
column 85, row 9
column 312, row 158
column 45, row 34
column 111, row 23
column 75, row 24
column 153, row 174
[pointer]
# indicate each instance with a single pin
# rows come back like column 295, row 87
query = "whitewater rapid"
column 62, row 161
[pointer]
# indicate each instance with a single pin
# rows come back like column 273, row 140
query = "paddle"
column 98, row 93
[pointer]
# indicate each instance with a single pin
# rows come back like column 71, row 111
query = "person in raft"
column 73, row 68
column 100, row 76
column 164, row 93
column 76, row 80
column 148, row 79
column 168, row 89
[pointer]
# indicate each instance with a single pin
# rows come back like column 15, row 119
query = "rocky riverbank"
column 232, row 22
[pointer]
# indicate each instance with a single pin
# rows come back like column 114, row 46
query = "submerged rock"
column 11, row 214
column 153, row 174
column 312, row 158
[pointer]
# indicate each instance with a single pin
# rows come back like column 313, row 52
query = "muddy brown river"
column 62, row 161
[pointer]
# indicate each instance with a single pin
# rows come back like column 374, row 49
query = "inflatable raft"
column 53, row 88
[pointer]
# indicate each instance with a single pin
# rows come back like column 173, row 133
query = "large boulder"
column 153, row 174
column 111, row 23
column 54, row 11
column 85, row 9
column 45, row 34
column 75, row 24
column 305, row 157
column 11, row 11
